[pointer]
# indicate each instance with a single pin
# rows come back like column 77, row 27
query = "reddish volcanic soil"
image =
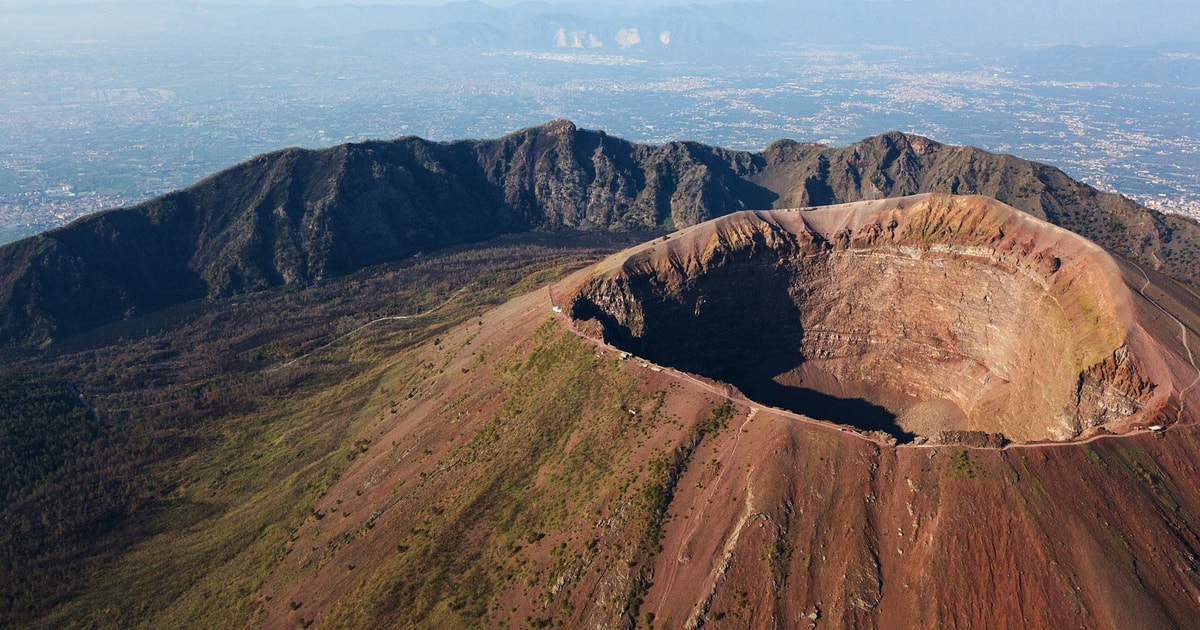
column 802, row 527
column 520, row 473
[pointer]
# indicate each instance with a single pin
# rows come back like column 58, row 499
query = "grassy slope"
column 217, row 428
column 494, row 504
column 484, row 510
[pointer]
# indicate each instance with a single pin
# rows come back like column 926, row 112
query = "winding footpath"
column 694, row 520
column 1183, row 331
column 331, row 342
column 378, row 320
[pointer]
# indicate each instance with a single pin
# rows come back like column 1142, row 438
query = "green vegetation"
column 468, row 551
column 964, row 466
column 1144, row 474
column 43, row 425
column 657, row 494
column 63, row 488
column 156, row 521
column 216, row 428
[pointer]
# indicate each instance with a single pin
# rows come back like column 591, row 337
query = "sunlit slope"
column 516, row 472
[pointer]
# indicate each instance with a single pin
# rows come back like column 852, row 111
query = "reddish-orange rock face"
column 922, row 317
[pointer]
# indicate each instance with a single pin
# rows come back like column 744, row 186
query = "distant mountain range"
column 294, row 217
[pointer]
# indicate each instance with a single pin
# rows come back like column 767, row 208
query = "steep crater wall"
column 924, row 323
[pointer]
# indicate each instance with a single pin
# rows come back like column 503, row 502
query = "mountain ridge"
column 298, row 216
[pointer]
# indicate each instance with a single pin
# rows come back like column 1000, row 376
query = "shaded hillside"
column 296, row 216
column 165, row 458
column 896, row 165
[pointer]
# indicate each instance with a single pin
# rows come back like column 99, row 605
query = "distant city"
column 95, row 124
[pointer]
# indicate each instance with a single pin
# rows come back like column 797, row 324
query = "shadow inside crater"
column 855, row 412
column 742, row 328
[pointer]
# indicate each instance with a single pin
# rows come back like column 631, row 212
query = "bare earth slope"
column 518, row 471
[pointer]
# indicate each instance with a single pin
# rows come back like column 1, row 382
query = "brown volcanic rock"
column 932, row 313
column 532, row 477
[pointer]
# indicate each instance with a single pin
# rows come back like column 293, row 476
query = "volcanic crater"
column 932, row 318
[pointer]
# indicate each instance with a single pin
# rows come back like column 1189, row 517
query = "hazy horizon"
column 936, row 22
column 110, row 102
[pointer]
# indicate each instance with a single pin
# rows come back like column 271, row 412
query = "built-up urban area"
column 88, row 126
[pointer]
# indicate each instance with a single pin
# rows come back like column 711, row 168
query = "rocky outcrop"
column 973, row 439
column 1110, row 390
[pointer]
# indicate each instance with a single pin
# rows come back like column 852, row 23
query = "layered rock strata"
column 923, row 317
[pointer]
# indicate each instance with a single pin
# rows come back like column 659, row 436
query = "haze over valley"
column 110, row 104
